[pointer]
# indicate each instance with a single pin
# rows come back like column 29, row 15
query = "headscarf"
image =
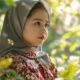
column 11, row 35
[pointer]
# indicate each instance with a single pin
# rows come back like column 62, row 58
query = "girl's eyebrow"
column 37, row 19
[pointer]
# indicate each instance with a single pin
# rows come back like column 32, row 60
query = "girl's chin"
column 40, row 43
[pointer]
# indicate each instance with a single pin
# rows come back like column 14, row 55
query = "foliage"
column 5, row 72
column 5, row 4
column 65, row 48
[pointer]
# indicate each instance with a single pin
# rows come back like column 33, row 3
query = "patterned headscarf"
column 11, row 35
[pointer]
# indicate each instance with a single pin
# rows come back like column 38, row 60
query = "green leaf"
column 2, row 78
column 10, row 2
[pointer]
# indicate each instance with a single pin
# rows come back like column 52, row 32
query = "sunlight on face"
column 36, row 28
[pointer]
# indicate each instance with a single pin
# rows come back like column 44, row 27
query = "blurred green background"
column 63, row 43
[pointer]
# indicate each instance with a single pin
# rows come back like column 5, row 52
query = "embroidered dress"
column 37, row 69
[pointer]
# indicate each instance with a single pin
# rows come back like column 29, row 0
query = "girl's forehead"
column 40, row 14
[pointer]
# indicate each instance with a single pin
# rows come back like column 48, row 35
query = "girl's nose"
column 44, row 30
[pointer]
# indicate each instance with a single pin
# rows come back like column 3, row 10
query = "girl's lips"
column 41, row 37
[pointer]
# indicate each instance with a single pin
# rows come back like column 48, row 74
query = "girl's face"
column 36, row 28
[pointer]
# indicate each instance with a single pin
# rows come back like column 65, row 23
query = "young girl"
column 24, row 31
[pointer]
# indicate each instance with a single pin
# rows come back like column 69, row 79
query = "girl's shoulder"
column 50, row 64
column 10, row 58
column 46, row 57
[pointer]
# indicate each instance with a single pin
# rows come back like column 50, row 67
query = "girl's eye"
column 47, row 25
column 37, row 24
